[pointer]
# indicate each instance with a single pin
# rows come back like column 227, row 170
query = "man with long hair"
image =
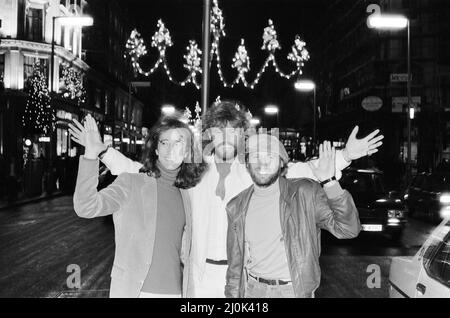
column 224, row 125
column 151, row 210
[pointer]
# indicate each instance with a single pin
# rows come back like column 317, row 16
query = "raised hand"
column 326, row 167
column 358, row 148
column 87, row 136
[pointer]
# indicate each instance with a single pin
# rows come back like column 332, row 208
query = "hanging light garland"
column 241, row 62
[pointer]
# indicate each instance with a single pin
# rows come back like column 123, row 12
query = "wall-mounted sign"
column 399, row 102
column 372, row 103
column 400, row 78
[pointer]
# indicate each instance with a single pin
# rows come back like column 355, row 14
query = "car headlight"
column 395, row 214
column 445, row 198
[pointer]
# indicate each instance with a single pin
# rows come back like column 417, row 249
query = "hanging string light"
column 241, row 61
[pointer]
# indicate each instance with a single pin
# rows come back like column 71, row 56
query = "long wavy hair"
column 191, row 170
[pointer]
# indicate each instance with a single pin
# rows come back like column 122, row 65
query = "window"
column 439, row 266
column 34, row 24
column 28, row 66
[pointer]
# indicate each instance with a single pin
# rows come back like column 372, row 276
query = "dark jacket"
column 304, row 210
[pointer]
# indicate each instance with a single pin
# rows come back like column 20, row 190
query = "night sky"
column 243, row 19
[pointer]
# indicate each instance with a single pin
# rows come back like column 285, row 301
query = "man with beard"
column 223, row 127
column 274, row 225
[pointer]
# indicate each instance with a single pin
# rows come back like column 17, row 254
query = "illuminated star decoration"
column 299, row 53
column 241, row 61
column 136, row 49
column 192, row 63
column 270, row 42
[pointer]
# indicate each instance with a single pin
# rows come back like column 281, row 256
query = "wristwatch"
column 333, row 178
column 102, row 154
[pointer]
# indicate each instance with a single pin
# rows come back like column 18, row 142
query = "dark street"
column 39, row 241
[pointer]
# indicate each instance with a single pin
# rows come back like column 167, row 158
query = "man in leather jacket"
column 273, row 241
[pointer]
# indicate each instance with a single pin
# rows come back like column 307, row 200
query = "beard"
column 266, row 180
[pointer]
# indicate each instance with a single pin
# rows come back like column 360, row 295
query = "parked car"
column 429, row 196
column 379, row 210
column 427, row 274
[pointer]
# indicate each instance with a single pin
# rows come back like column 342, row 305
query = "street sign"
column 400, row 78
column 399, row 102
column 372, row 103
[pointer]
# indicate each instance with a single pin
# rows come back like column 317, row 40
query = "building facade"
column 354, row 61
column 79, row 88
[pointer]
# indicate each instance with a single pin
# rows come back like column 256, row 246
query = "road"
column 41, row 243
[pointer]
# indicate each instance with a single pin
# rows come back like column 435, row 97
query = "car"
column 429, row 196
column 427, row 274
column 379, row 210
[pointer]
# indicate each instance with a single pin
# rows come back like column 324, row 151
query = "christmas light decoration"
column 241, row 62
column 73, row 87
column 193, row 60
column 39, row 116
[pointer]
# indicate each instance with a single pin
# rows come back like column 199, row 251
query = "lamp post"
column 67, row 21
column 272, row 110
column 308, row 86
column 398, row 22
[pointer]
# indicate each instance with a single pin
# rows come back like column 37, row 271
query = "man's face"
column 226, row 142
column 172, row 148
column 264, row 168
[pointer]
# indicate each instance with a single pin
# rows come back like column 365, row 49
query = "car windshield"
column 363, row 183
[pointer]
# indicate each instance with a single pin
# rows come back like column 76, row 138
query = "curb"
column 30, row 200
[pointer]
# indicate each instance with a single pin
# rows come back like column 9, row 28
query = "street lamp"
column 308, row 86
column 255, row 122
column 168, row 109
column 398, row 22
column 66, row 21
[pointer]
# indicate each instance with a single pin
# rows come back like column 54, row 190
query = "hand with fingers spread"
column 358, row 148
column 87, row 136
column 326, row 167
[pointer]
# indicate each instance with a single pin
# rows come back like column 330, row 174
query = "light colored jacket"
column 238, row 180
column 132, row 201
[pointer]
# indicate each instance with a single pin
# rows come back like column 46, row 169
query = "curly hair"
column 220, row 115
column 191, row 170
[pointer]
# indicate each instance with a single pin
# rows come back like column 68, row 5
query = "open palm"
column 326, row 167
column 367, row 146
column 87, row 136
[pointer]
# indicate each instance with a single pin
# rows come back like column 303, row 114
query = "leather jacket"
column 305, row 209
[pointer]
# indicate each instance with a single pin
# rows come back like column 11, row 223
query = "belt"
column 270, row 281
column 211, row 261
